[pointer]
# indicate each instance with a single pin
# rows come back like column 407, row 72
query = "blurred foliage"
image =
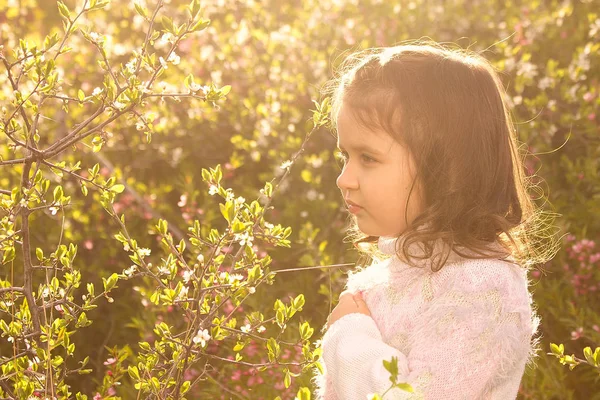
column 276, row 56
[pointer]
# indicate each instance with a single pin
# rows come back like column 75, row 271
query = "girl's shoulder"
column 365, row 278
column 484, row 275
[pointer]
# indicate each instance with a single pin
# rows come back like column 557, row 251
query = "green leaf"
column 225, row 90
column 392, row 367
column 118, row 188
column 228, row 210
column 298, row 302
column 167, row 23
column 287, row 380
column 200, row 25
column 239, row 346
column 133, row 372
column 9, row 255
column 141, row 10
column 39, row 253
column 63, row 10
column 185, row 386
column 557, row 350
column 405, row 386
column 110, row 283
column 80, row 95
column 206, row 176
column 194, row 8
column 303, row 394
column 58, row 194
column 587, row 352
column 268, row 190
column 82, row 321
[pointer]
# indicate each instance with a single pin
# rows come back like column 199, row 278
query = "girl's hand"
column 349, row 303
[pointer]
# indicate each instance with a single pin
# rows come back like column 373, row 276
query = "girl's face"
column 376, row 178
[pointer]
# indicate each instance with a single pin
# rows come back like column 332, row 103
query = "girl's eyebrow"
column 362, row 147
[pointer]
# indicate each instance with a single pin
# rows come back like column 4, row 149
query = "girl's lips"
column 354, row 209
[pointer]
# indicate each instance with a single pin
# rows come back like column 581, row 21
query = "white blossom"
column 246, row 328
column 212, row 190
column 163, row 63
column 166, row 38
column 244, row 238
column 144, row 251
column 201, row 337
column 162, row 270
column 174, row 58
column 286, row 164
column 118, row 105
column 194, row 87
column 184, row 292
column 96, row 37
column 130, row 271
column 131, row 65
column 527, row 69
column 187, row 275
column 545, row 83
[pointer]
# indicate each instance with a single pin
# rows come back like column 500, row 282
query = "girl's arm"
column 471, row 341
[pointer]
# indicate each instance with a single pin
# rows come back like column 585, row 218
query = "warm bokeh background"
column 276, row 55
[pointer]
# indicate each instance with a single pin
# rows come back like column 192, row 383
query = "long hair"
column 448, row 107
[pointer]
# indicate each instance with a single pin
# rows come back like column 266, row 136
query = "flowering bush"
column 111, row 110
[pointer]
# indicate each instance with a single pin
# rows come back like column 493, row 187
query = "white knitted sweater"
column 464, row 332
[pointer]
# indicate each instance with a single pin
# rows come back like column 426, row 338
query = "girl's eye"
column 342, row 158
column 367, row 159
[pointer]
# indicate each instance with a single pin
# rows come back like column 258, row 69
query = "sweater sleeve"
column 468, row 343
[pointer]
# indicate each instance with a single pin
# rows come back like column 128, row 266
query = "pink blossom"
column 110, row 361
column 190, row 374
column 279, row 385
column 588, row 96
column 251, row 349
column 577, row 333
column 97, row 396
column 237, row 375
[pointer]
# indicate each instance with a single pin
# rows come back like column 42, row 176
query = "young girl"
column 434, row 181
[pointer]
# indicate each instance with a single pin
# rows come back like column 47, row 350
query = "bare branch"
column 143, row 203
column 12, row 289
column 60, row 144
column 15, row 161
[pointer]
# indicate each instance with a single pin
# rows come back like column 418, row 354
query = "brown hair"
column 448, row 107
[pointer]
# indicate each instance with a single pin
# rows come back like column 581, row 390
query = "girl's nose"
column 347, row 179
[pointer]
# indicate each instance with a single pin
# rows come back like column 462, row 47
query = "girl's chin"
column 370, row 230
